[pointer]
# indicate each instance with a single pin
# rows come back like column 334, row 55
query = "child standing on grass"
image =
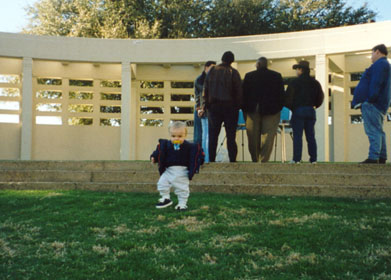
column 178, row 161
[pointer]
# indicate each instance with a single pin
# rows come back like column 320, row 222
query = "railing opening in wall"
column 161, row 102
column 77, row 102
column 355, row 115
column 10, row 96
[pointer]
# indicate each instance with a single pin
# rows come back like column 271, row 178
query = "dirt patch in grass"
column 101, row 250
column 300, row 220
column 224, row 241
column 190, row 223
column 5, row 250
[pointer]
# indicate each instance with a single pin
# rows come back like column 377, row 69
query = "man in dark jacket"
column 373, row 94
column 222, row 99
column 263, row 90
column 303, row 95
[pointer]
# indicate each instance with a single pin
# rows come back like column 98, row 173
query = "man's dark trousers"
column 217, row 114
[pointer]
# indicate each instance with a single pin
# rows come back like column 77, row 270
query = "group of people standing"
column 220, row 93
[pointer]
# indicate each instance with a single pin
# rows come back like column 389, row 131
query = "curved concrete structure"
column 83, row 67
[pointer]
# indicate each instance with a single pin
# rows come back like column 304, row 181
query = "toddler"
column 178, row 161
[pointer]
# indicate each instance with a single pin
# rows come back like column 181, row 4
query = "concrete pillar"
column 322, row 113
column 133, row 117
column 27, row 109
column 125, row 153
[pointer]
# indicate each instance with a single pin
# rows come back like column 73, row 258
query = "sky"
column 13, row 15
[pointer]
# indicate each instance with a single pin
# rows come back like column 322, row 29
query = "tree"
column 245, row 17
column 296, row 15
column 187, row 18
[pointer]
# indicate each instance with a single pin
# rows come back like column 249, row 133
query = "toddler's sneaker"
column 163, row 203
column 181, row 208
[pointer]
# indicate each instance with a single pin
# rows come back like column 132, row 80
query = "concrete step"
column 323, row 179
column 206, row 177
column 348, row 168
column 74, row 165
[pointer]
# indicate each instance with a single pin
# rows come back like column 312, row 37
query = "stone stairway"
column 323, row 179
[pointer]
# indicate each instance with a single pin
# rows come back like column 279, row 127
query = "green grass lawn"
column 97, row 235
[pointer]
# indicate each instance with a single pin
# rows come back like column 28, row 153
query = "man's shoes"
column 294, row 162
column 368, row 160
column 163, row 203
column 181, row 208
column 382, row 160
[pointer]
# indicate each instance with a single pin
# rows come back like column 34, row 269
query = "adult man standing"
column 222, row 99
column 373, row 95
column 201, row 127
column 263, row 90
column 303, row 95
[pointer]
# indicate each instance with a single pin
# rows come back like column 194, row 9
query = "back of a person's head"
column 228, row 57
column 209, row 63
column 261, row 63
column 381, row 48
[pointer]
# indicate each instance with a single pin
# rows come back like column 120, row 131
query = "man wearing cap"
column 373, row 94
column 303, row 95
column 222, row 98
column 263, row 90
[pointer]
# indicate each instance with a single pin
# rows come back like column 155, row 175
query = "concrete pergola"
column 333, row 52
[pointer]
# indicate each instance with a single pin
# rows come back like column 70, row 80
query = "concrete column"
column 134, row 122
column 322, row 113
column 27, row 109
column 338, row 150
column 125, row 153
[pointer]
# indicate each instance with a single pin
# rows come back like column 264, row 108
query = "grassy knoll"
column 97, row 235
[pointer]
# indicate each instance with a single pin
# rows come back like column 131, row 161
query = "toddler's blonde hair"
column 177, row 125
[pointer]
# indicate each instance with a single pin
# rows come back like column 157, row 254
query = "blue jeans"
column 197, row 136
column 205, row 137
column 303, row 119
column 373, row 125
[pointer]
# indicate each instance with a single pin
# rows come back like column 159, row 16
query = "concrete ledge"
column 323, row 180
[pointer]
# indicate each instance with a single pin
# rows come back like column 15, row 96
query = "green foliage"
column 110, row 109
column 80, row 95
column 145, row 97
column 110, row 96
column 241, row 17
column 80, row 121
column 10, row 92
column 78, row 108
column 187, row 18
column 111, row 84
column 311, row 14
column 97, row 235
column 47, row 81
column 81, row 83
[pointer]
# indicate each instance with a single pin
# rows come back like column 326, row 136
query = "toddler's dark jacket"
column 191, row 156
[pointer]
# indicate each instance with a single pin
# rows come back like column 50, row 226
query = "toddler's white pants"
column 178, row 178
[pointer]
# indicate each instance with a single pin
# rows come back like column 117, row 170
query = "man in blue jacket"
column 373, row 94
